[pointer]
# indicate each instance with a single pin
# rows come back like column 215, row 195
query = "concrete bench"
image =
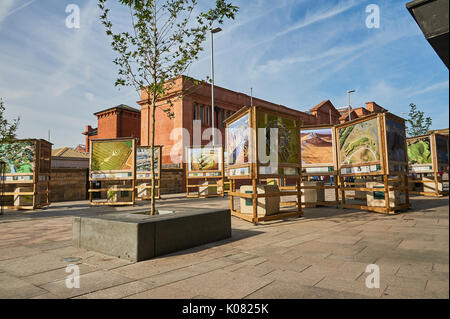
column 137, row 237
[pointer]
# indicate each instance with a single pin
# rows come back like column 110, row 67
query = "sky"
column 291, row 52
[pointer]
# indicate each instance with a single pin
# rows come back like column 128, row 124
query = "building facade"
column 192, row 112
column 118, row 121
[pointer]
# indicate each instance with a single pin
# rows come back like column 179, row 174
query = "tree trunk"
column 152, row 146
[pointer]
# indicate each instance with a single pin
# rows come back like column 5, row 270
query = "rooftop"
column 69, row 152
column 121, row 107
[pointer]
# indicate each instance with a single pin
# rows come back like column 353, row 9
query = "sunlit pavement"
column 324, row 254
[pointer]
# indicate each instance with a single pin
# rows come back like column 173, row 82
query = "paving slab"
column 322, row 255
column 14, row 288
column 90, row 282
column 31, row 265
column 232, row 285
column 118, row 292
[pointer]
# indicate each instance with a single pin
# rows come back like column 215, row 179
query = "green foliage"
column 164, row 39
column 7, row 129
column 417, row 124
column 419, row 152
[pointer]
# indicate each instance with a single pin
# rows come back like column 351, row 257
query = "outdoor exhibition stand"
column 29, row 167
column 373, row 150
column 205, row 164
column 113, row 161
column 319, row 161
column 428, row 163
column 143, row 171
column 248, row 140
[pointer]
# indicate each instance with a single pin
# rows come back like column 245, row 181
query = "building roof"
column 121, row 107
column 69, row 152
column 319, row 105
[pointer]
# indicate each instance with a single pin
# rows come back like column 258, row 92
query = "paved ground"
column 322, row 255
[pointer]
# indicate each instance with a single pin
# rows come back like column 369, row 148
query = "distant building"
column 125, row 121
column 371, row 107
column 66, row 157
column 196, row 105
column 118, row 121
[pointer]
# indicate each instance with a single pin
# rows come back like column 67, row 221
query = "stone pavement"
column 322, row 255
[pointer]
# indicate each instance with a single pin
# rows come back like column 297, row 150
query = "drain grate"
column 70, row 259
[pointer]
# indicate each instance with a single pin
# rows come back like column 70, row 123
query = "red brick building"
column 125, row 121
column 118, row 121
column 196, row 105
column 371, row 107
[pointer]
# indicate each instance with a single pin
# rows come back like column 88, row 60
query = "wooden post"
column 255, row 200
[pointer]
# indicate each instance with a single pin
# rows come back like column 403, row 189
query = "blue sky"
column 292, row 52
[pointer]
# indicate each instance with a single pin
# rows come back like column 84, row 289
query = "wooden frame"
column 381, row 170
column 191, row 177
column 131, row 178
column 251, row 169
column 314, row 169
column 40, row 177
column 139, row 174
column 434, row 168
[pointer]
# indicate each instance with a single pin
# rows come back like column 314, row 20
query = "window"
column 217, row 112
column 208, row 116
column 202, row 113
column 195, row 111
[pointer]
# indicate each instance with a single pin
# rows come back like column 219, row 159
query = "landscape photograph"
column 358, row 143
column 317, row 146
column 112, row 155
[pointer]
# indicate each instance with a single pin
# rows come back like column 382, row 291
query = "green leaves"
column 7, row 129
column 166, row 37
column 417, row 124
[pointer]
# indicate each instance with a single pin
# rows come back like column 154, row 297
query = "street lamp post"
column 215, row 30
column 349, row 105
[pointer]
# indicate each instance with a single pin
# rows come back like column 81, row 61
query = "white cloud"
column 437, row 86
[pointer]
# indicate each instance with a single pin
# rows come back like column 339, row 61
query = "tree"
column 164, row 39
column 417, row 124
column 7, row 129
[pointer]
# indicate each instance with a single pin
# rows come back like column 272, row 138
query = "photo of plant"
column 18, row 156
column 238, row 135
column 419, row 151
column 143, row 159
column 395, row 136
column 205, row 159
column 288, row 143
column 358, row 143
column 317, row 146
column 112, row 155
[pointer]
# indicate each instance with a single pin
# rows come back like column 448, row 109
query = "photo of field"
column 358, row 143
column 143, row 159
column 112, row 155
column 419, row 151
column 317, row 146
column 442, row 149
column 205, row 159
column 288, row 147
column 238, row 134
column 18, row 156
column 395, row 136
